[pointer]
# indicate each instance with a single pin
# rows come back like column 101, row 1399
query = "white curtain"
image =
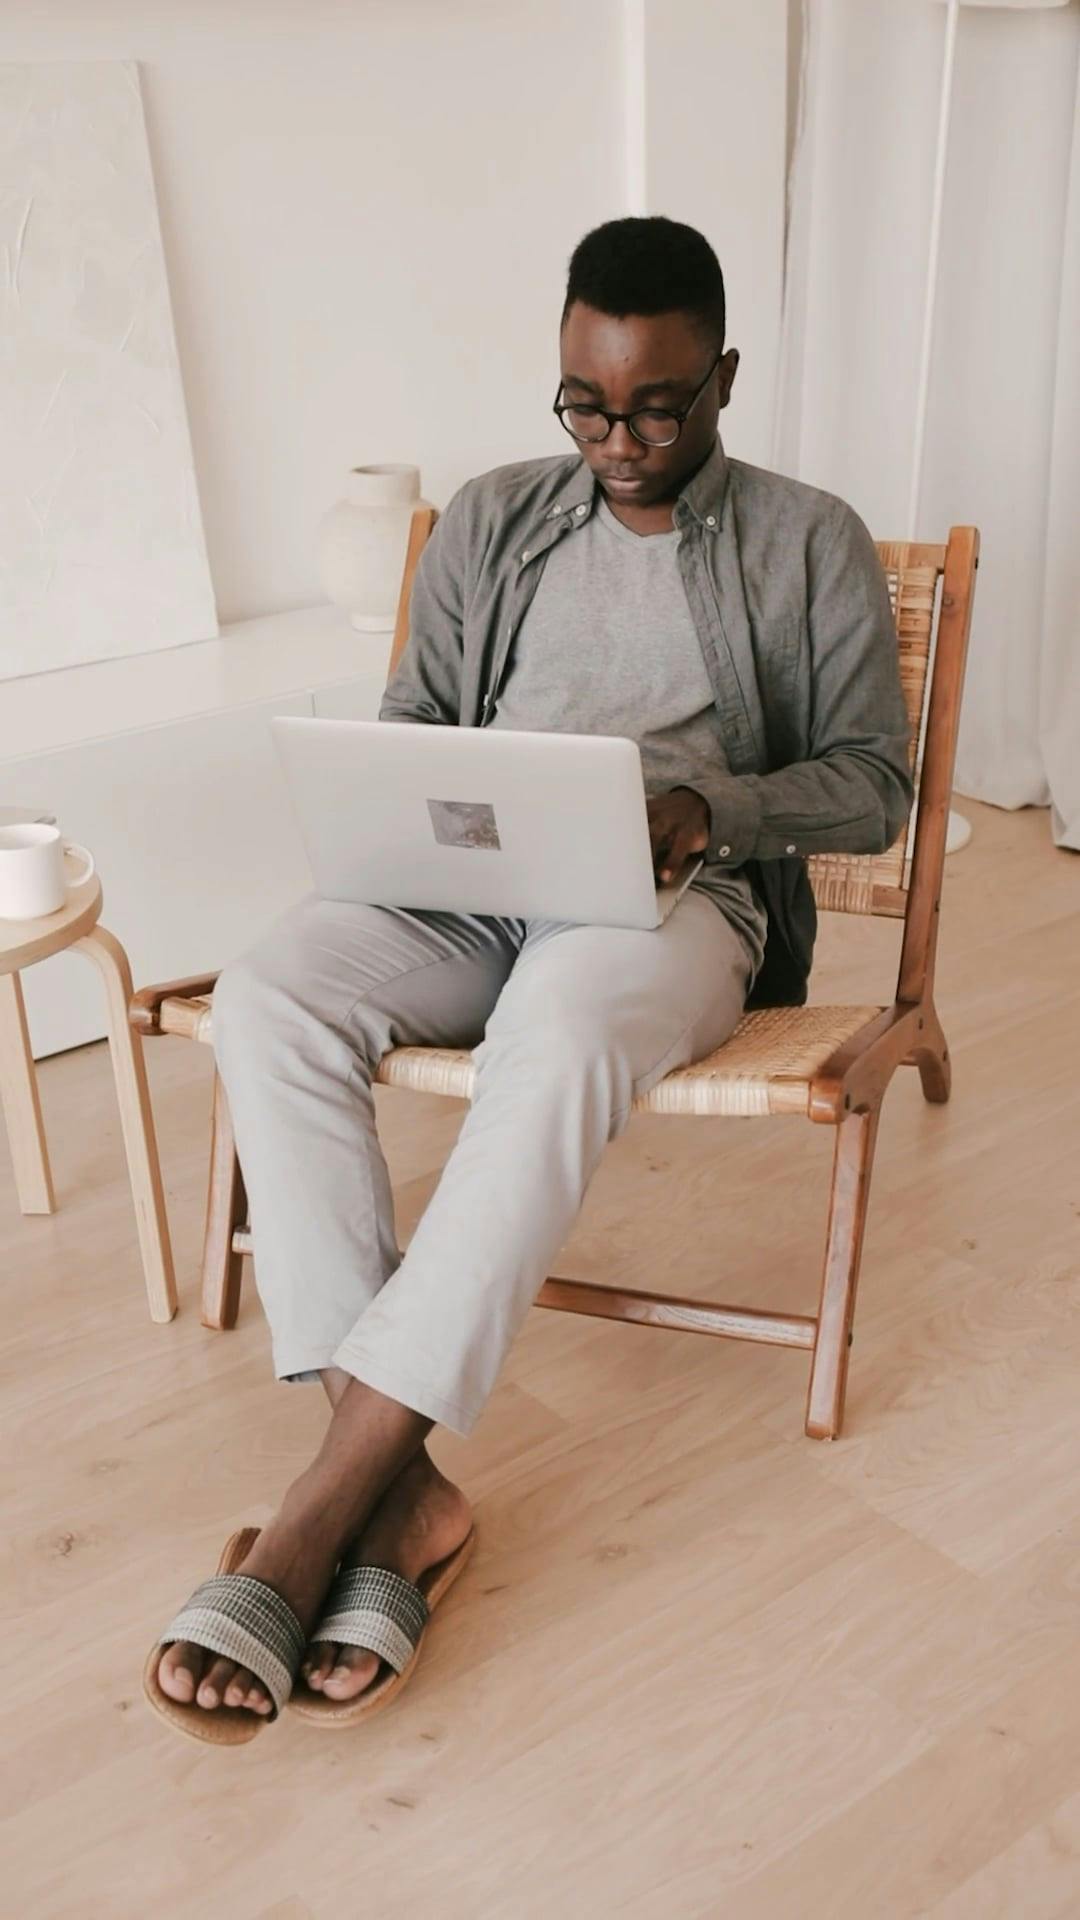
column 1002, row 447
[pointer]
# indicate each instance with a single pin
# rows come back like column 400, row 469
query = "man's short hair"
column 649, row 264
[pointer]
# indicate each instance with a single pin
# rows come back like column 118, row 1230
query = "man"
column 736, row 624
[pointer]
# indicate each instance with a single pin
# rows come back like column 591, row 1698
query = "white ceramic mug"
column 33, row 878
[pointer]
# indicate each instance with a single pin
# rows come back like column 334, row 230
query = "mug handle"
column 72, row 846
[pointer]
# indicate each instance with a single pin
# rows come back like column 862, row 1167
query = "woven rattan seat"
column 766, row 1066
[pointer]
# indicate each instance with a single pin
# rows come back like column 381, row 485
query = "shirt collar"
column 701, row 499
column 706, row 493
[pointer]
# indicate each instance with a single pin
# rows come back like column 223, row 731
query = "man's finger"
column 687, row 844
column 678, row 852
column 671, row 864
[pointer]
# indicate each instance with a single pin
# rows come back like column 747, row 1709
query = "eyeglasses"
column 653, row 426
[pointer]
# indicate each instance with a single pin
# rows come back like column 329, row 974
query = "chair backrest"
column 420, row 527
column 879, row 883
column 904, row 882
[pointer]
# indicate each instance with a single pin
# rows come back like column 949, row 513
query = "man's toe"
column 355, row 1669
column 318, row 1663
column 248, row 1692
column 212, row 1691
column 239, row 1687
column 180, row 1670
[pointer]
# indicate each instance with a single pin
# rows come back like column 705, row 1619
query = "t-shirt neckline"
column 616, row 526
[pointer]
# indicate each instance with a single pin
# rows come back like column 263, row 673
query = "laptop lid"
column 473, row 820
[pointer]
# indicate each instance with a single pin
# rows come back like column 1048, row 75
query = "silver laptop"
column 529, row 825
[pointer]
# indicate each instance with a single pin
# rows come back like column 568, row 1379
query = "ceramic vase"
column 362, row 542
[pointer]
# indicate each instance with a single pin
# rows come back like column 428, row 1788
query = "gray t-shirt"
column 608, row 645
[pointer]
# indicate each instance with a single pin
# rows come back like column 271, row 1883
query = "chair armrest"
column 144, row 1007
column 857, row 1074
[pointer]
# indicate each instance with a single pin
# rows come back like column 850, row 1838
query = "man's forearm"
column 854, row 793
column 842, row 803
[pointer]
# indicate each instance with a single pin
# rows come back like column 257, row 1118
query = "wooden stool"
column 21, row 943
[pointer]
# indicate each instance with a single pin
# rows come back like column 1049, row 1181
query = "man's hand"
column 679, row 824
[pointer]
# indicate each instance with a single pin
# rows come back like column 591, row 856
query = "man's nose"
column 621, row 444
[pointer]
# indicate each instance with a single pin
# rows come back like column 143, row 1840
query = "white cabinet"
column 351, row 699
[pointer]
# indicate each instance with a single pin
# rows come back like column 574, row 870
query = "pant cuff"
column 287, row 1366
column 409, row 1392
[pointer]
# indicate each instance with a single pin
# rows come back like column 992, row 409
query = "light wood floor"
column 700, row 1665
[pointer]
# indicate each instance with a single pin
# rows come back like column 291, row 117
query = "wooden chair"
column 830, row 1064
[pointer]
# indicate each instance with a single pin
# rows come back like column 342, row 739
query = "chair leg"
column 931, row 1056
column 21, row 1103
column 226, row 1210
column 136, row 1121
column 853, row 1161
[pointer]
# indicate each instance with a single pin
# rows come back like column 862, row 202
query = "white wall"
column 715, row 138
column 368, row 208
column 367, row 211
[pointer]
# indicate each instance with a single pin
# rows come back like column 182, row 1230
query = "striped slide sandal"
column 373, row 1608
column 244, row 1620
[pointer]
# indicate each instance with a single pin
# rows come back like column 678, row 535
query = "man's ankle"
column 316, row 1500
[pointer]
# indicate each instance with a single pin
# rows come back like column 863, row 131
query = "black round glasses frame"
column 671, row 413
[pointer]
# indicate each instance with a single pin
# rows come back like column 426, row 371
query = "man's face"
column 644, row 360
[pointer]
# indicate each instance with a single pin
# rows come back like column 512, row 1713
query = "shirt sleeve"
column 425, row 687
column 855, row 791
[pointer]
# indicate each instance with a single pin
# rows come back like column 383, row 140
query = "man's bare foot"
column 294, row 1556
column 369, row 1440
column 421, row 1519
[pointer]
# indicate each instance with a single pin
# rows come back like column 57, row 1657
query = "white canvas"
column 101, row 541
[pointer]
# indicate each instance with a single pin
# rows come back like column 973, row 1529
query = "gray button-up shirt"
column 791, row 609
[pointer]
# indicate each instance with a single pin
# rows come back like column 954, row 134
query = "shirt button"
column 724, row 851
column 581, row 509
column 790, row 849
column 524, row 556
column 710, row 520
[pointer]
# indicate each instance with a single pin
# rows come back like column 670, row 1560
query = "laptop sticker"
column 465, row 823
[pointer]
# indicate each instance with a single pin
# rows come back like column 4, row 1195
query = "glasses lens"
column 656, row 428
column 585, row 423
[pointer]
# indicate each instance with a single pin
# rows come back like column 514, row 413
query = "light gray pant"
column 578, row 1020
